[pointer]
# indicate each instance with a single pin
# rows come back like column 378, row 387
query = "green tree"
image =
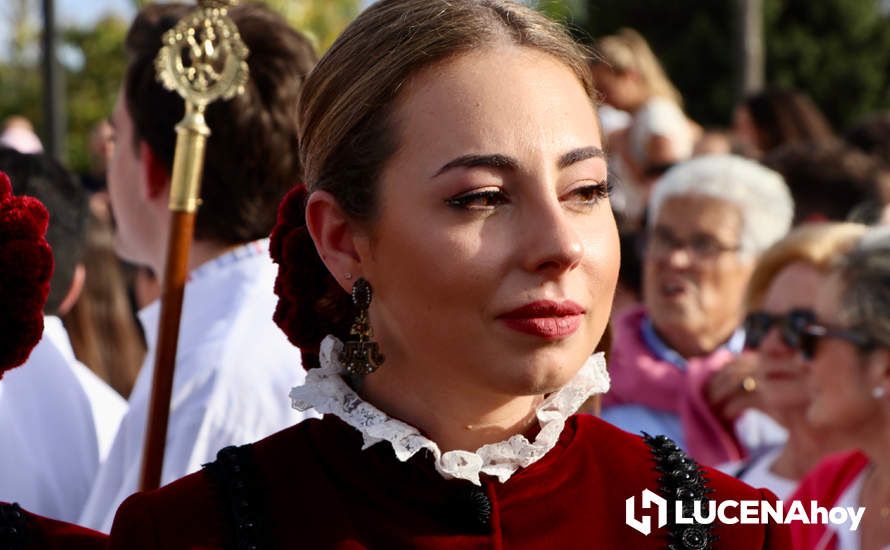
column 321, row 20
column 838, row 51
column 20, row 80
column 692, row 39
column 568, row 11
column 91, row 89
column 94, row 69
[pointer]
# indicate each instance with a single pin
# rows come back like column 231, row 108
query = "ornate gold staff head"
column 203, row 57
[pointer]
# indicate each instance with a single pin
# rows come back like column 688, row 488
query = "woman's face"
column 694, row 276
column 782, row 381
column 494, row 258
column 838, row 374
column 619, row 89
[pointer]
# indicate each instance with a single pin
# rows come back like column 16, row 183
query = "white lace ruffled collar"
column 327, row 392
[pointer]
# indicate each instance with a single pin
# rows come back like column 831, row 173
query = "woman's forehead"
column 500, row 96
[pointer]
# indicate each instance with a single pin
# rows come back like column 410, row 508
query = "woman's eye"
column 488, row 198
column 591, row 194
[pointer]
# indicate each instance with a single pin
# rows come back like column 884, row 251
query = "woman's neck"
column 873, row 439
column 804, row 449
column 454, row 415
column 695, row 343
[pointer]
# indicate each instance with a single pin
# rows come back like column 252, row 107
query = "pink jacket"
column 639, row 377
column 825, row 484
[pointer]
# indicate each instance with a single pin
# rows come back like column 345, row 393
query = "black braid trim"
column 13, row 527
column 234, row 476
column 681, row 479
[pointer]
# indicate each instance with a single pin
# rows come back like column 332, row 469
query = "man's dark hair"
column 42, row 177
column 253, row 154
column 831, row 181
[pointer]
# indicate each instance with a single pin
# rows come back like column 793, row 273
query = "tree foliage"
column 92, row 88
column 321, row 20
column 836, row 50
column 92, row 70
column 94, row 63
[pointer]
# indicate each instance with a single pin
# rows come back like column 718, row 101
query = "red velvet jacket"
column 20, row 529
column 322, row 491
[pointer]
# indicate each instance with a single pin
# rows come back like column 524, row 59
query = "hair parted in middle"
column 348, row 130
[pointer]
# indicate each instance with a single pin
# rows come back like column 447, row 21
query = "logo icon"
column 649, row 500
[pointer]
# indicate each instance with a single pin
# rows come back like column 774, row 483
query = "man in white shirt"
column 234, row 367
column 57, row 418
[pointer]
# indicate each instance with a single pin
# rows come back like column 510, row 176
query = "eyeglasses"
column 790, row 326
column 661, row 243
column 812, row 333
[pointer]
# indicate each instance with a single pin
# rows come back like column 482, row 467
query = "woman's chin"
column 538, row 375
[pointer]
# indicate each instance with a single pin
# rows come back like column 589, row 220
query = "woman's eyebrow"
column 498, row 162
column 577, row 155
column 504, row 162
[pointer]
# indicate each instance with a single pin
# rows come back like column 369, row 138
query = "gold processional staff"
column 203, row 59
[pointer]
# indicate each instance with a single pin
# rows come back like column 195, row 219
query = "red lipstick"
column 545, row 319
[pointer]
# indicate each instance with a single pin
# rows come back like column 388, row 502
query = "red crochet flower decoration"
column 26, row 265
column 311, row 304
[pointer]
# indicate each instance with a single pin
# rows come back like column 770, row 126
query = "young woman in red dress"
column 448, row 270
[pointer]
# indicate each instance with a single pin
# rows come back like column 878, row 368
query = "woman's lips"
column 545, row 319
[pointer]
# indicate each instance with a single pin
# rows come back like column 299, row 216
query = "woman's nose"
column 774, row 345
column 552, row 242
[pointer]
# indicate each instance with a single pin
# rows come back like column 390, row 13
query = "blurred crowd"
column 751, row 322
column 753, row 296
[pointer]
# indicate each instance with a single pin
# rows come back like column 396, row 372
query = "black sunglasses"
column 811, row 334
column 790, row 326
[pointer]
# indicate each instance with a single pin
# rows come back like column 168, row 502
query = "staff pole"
column 203, row 59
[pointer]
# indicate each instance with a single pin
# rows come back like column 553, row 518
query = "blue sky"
column 86, row 12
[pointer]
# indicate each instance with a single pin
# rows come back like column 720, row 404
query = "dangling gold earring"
column 362, row 356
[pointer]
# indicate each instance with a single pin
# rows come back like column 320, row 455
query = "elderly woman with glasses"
column 846, row 355
column 781, row 296
column 709, row 219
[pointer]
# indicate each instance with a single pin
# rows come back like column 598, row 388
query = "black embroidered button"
column 681, row 481
column 233, row 476
column 695, row 538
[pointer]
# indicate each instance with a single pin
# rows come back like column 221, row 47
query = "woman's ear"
column 335, row 238
column 877, row 373
column 879, row 370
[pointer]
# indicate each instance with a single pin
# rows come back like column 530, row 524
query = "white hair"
column 759, row 193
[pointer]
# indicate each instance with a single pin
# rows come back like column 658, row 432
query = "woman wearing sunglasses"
column 846, row 353
column 781, row 295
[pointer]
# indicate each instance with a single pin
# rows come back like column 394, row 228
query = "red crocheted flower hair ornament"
column 311, row 304
column 26, row 265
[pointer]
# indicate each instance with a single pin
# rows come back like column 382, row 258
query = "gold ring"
column 749, row 384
